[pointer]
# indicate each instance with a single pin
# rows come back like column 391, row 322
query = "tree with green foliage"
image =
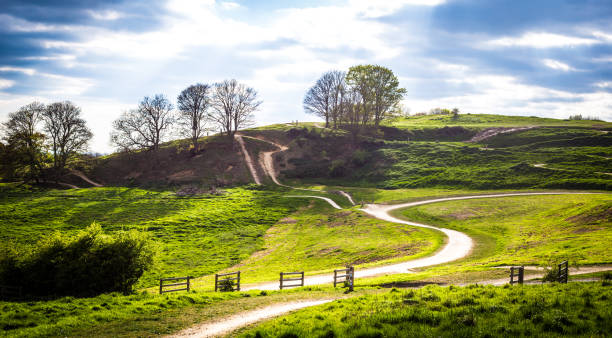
column 378, row 88
column 66, row 130
column 23, row 154
column 193, row 104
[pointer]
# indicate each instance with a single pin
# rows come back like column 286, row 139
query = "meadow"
column 576, row 309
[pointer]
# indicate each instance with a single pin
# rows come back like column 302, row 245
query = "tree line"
column 364, row 96
column 39, row 140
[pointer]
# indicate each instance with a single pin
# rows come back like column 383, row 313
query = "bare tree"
column 145, row 127
column 193, row 103
column 67, row 130
column 233, row 105
column 25, row 141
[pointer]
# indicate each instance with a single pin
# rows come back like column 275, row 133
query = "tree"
column 23, row 153
column 233, row 105
column 379, row 90
column 67, row 130
column 145, row 127
column 324, row 99
column 193, row 103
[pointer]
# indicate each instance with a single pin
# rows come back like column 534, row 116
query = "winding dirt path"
column 229, row 324
column 247, row 159
column 490, row 132
column 85, row 178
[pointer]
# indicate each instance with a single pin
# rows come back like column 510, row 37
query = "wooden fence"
column 345, row 276
column 291, row 279
column 227, row 283
column 186, row 284
column 517, row 274
column 10, row 292
column 563, row 272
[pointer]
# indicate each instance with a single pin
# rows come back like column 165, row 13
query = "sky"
column 537, row 58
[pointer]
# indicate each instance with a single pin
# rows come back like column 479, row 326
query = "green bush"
column 89, row 263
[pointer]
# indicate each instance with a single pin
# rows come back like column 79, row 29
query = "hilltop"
column 470, row 150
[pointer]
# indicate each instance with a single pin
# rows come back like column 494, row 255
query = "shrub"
column 89, row 263
column 337, row 168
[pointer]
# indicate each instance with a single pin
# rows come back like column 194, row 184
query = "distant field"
column 472, row 311
column 529, row 230
column 490, row 120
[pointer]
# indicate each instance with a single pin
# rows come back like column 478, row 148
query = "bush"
column 87, row 264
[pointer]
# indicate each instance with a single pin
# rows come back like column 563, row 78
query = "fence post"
column 160, row 286
column 302, row 278
column 238, row 284
column 216, row 282
column 352, row 277
column 563, row 272
column 188, row 284
column 335, row 274
column 521, row 274
column 281, row 280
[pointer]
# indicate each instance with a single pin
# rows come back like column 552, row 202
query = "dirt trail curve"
column 85, row 178
column 247, row 159
column 226, row 325
column 458, row 246
column 266, row 160
column 229, row 324
column 490, row 132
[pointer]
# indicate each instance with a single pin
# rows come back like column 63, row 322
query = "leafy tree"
column 67, row 131
column 233, row 105
column 193, row 103
column 145, row 127
column 23, row 154
column 379, row 90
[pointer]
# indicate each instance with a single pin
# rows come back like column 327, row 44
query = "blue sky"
column 542, row 58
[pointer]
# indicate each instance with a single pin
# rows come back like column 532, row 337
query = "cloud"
column 27, row 71
column 4, row 83
column 107, row 15
column 604, row 84
column 376, row 9
column 557, row 65
column 542, row 40
column 229, row 5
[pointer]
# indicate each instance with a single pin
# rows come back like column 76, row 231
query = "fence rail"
column 283, row 279
column 345, row 276
column 517, row 274
column 227, row 283
column 162, row 286
column 563, row 272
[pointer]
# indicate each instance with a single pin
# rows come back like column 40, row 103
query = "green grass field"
column 317, row 239
column 473, row 311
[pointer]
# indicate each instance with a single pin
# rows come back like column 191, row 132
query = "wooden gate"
column 283, row 279
column 517, row 274
column 345, row 276
column 563, row 272
column 186, row 284
column 227, row 283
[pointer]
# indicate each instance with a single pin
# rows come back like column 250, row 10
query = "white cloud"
column 542, row 40
column 107, row 15
column 604, row 84
column 603, row 36
column 4, row 83
column 230, row 5
column 14, row 24
column 27, row 71
column 376, row 9
column 557, row 65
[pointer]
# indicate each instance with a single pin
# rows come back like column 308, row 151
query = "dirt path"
column 247, row 159
column 544, row 166
column 328, row 200
column 85, row 178
column 68, row 185
column 458, row 245
column 490, row 132
column 229, row 324
column 266, row 160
